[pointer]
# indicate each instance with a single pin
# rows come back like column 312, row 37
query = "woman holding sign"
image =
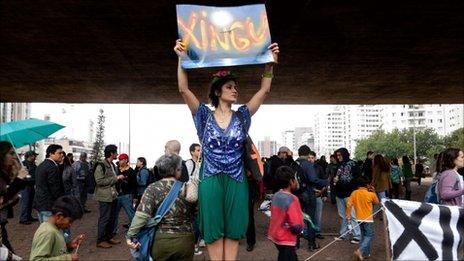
column 223, row 191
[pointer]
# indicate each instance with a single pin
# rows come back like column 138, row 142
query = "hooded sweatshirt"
column 347, row 173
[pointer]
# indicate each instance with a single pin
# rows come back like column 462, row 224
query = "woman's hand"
column 180, row 49
column 275, row 52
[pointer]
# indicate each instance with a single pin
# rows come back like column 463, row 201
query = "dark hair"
column 52, row 149
column 5, row 147
column 193, row 146
column 304, row 150
column 284, row 175
column 143, row 160
column 312, row 153
column 215, row 89
column 395, row 161
column 405, row 160
column 345, row 154
column 381, row 163
column 69, row 206
column 363, row 181
column 439, row 162
column 66, row 160
column 333, row 156
column 110, row 149
column 369, row 153
column 449, row 155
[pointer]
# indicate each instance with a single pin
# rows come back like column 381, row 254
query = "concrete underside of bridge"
column 332, row 52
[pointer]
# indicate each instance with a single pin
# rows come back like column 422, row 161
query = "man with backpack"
column 106, row 194
column 308, row 182
column 193, row 164
column 283, row 158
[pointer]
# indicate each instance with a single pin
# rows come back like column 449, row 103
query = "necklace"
column 223, row 117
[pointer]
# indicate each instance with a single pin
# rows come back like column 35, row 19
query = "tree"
column 98, row 146
column 455, row 139
column 401, row 142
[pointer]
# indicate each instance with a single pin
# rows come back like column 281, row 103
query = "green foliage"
column 401, row 142
column 455, row 139
column 98, row 146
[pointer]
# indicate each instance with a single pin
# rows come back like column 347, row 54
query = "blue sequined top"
column 222, row 149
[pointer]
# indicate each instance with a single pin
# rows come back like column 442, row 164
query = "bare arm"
column 182, row 79
column 260, row 96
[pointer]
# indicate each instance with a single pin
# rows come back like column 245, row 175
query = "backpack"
column 151, row 176
column 146, row 236
column 90, row 180
column 431, row 196
column 300, row 177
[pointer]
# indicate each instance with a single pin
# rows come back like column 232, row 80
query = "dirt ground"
column 21, row 237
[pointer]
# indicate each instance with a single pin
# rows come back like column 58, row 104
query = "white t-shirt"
column 193, row 168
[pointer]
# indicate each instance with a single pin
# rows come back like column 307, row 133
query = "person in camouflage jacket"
column 174, row 239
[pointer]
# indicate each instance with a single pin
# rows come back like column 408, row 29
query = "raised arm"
column 260, row 96
column 182, row 80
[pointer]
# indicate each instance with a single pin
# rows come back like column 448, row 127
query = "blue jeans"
column 341, row 207
column 367, row 234
column 308, row 205
column 27, row 197
column 43, row 217
column 380, row 195
column 125, row 202
column 318, row 216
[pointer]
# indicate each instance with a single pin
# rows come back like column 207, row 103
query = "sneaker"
column 197, row 251
column 250, row 248
column 354, row 241
column 202, row 243
column 320, row 236
column 339, row 239
column 367, row 257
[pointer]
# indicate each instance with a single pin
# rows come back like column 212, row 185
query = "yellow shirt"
column 363, row 201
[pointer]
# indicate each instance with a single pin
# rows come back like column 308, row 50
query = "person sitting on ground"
column 363, row 200
column 174, row 239
column 48, row 242
column 286, row 217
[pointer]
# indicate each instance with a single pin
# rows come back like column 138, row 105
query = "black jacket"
column 49, row 185
column 31, row 168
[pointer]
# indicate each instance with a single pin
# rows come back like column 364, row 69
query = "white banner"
column 423, row 231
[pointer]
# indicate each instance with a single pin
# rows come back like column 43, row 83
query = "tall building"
column 342, row 126
column 330, row 130
column 444, row 119
column 288, row 139
column 267, row 147
column 14, row 111
column 303, row 136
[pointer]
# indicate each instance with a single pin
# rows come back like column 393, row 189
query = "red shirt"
column 286, row 219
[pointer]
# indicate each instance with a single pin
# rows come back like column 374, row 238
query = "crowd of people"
column 217, row 194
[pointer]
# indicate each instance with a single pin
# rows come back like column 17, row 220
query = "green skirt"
column 223, row 207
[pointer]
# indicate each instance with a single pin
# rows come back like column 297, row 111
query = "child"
column 48, row 242
column 286, row 216
column 363, row 200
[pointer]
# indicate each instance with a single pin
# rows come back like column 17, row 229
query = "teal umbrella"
column 27, row 132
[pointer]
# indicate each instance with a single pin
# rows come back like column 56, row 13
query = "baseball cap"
column 123, row 156
column 30, row 153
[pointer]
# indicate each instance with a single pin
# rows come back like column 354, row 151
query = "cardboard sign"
column 224, row 36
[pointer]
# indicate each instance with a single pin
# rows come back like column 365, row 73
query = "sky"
column 153, row 125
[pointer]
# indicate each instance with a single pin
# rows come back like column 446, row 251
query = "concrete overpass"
column 333, row 52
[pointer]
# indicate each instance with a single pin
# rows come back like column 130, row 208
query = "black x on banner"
column 411, row 230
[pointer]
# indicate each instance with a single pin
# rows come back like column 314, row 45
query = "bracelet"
column 267, row 75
